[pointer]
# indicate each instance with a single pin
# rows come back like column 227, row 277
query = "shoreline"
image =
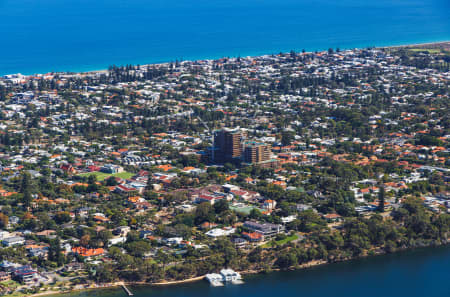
column 254, row 56
column 311, row 264
column 105, row 70
column 415, row 44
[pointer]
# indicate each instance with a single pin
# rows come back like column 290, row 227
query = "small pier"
column 127, row 290
column 226, row 276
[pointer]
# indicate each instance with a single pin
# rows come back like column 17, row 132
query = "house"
column 208, row 198
column 38, row 251
column 218, row 232
column 4, row 234
column 269, row 204
column 8, row 266
column 121, row 231
column 4, row 276
column 146, row 234
column 93, row 168
column 265, row 229
column 13, row 220
column 68, row 168
column 12, row 241
column 100, row 219
column 186, row 207
column 173, row 240
column 253, row 236
column 25, row 275
column 207, row 225
column 88, row 253
column 245, row 194
column 116, row 240
column 83, row 212
column 302, row 207
column 46, row 233
column 332, row 217
column 127, row 190
column 73, row 267
column 111, row 168
column 239, row 242
column 137, row 186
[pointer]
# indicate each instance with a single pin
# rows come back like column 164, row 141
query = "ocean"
column 81, row 35
column 417, row 273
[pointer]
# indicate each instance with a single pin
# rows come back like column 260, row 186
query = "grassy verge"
column 280, row 242
column 102, row 176
column 431, row 50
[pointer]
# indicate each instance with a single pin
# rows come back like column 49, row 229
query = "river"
column 418, row 273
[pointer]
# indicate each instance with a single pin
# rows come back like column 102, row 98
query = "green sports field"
column 102, row 176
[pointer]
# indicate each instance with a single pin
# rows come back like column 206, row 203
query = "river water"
column 418, row 273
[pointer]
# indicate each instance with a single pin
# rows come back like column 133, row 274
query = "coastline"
column 415, row 44
column 105, row 70
column 254, row 56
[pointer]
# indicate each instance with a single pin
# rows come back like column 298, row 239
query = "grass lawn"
column 10, row 284
column 244, row 209
column 431, row 50
column 280, row 242
column 102, row 176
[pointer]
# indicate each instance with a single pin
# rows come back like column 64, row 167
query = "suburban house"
column 265, row 229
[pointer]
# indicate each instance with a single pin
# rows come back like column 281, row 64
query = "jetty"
column 127, row 290
column 225, row 276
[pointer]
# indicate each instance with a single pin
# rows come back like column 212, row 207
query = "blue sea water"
column 77, row 35
column 418, row 273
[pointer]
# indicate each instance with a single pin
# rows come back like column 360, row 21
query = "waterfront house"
column 266, row 229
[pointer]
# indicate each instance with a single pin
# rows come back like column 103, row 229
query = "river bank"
column 175, row 283
column 413, row 273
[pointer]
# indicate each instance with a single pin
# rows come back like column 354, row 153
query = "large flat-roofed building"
column 230, row 146
column 228, row 143
column 259, row 154
column 266, row 229
column 256, row 152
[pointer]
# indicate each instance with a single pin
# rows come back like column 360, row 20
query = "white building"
column 218, row 232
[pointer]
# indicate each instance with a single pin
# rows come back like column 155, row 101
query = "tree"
column 25, row 189
column 132, row 236
column 27, row 198
column 105, row 274
column 138, row 248
column 221, row 206
column 54, row 252
column 204, row 213
column 111, row 181
column 381, row 199
column 287, row 259
column 62, row 217
column 104, row 236
column 287, row 137
column 84, row 241
column 255, row 214
column 4, row 220
column 92, row 179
